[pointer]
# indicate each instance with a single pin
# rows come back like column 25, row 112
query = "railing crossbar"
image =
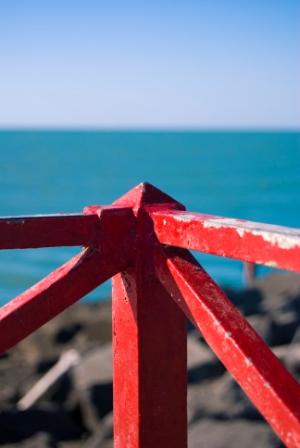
column 274, row 246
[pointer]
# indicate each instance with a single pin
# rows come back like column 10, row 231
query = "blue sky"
column 150, row 64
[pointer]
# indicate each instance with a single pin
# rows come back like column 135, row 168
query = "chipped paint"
column 19, row 221
column 272, row 264
column 217, row 323
column 283, row 237
column 183, row 217
column 270, row 245
column 284, row 241
column 248, row 362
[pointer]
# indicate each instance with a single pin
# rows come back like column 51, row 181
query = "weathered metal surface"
column 149, row 334
column 145, row 194
column 149, row 343
column 112, row 252
column 47, row 231
column 261, row 375
column 270, row 245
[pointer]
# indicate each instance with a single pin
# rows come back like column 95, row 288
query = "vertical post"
column 149, row 343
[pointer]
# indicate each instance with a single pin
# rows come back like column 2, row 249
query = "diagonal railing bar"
column 47, row 298
column 26, row 232
column 261, row 375
column 113, row 252
column 274, row 246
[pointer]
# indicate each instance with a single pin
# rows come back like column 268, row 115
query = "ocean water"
column 250, row 175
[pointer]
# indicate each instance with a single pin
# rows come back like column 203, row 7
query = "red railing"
column 141, row 241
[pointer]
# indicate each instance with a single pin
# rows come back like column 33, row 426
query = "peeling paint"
column 282, row 240
column 285, row 238
column 183, row 217
column 272, row 264
column 248, row 362
column 15, row 221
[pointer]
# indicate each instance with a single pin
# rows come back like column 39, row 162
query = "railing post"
column 149, row 343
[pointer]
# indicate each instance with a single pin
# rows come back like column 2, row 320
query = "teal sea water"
column 251, row 175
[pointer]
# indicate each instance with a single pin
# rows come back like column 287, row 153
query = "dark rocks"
column 39, row 440
column 202, row 362
column 249, row 301
column 220, row 398
column 103, row 435
column 60, row 417
column 66, row 334
column 283, row 327
column 290, row 356
column 262, row 324
column 16, row 426
column 92, row 379
column 296, row 338
column 279, row 290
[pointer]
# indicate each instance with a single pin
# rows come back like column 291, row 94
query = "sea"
column 251, row 175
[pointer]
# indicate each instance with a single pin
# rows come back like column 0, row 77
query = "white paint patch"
column 228, row 334
column 183, row 217
column 15, row 221
column 240, row 232
column 283, row 237
column 218, row 223
column 272, row 264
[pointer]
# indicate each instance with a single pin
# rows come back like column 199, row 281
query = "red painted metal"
column 126, row 240
column 270, row 245
column 260, row 374
column 47, row 231
column 149, row 344
column 112, row 252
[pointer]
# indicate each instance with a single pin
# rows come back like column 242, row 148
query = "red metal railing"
column 141, row 242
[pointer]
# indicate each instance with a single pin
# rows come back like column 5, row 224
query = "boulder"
column 92, row 379
column 220, row 398
column 283, row 327
column 262, row 324
column 231, row 433
column 16, row 426
column 201, row 361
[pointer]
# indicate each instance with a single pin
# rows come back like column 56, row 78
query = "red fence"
column 141, row 241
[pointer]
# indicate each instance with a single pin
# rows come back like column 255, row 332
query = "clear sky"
column 150, row 63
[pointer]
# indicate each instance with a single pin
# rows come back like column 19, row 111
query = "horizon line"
column 147, row 128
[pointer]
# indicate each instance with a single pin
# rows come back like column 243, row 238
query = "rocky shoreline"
column 76, row 410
